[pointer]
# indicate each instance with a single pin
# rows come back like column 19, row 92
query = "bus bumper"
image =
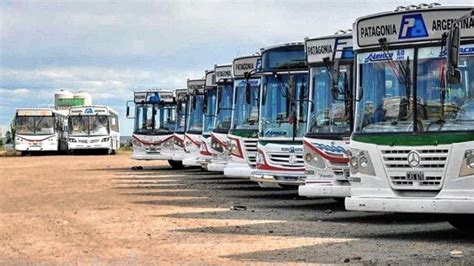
column 37, row 147
column 233, row 169
column 411, row 205
column 329, row 189
column 289, row 179
column 190, row 161
column 217, row 165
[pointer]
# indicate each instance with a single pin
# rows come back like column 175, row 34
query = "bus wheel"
column 176, row 164
column 462, row 222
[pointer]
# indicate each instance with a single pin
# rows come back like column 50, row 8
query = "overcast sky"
column 110, row 48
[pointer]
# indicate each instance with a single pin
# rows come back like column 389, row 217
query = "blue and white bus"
column 93, row 128
column 412, row 149
column 243, row 133
column 325, row 144
column 283, row 114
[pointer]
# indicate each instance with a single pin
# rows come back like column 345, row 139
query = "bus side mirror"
column 128, row 110
column 453, row 75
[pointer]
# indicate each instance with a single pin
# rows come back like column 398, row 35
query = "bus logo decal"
column 412, row 26
column 89, row 111
column 414, row 159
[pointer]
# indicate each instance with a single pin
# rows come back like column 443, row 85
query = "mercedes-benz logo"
column 292, row 159
column 414, row 159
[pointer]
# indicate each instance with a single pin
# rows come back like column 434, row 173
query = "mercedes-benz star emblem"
column 414, row 159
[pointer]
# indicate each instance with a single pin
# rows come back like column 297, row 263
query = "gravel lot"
column 95, row 209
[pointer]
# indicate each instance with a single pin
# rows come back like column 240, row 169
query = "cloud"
column 110, row 48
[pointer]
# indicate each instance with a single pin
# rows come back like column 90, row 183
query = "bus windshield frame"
column 440, row 107
column 35, row 125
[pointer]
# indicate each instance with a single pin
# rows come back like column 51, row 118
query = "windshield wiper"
column 405, row 71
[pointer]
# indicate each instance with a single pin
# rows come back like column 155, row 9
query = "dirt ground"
column 95, row 209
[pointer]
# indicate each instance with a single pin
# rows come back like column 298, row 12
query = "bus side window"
column 114, row 124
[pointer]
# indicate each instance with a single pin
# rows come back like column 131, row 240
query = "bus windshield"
column 210, row 114
column 153, row 118
column 284, row 115
column 386, row 102
column 246, row 114
column 444, row 107
column 93, row 125
column 224, row 111
column 181, row 117
column 35, row 125
column 195, row 113
column 329, row 115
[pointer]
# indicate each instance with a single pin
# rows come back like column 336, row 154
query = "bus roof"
column 35, row 111
column 330, row 47
column 246, row 64
column 413, row 24
column 210, row 79
column 196, row 84
column 223, row 73
column 91, row 110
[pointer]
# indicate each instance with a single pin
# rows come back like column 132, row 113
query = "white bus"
column 209, row 120
column 39, row 130
column 181, row 97
column 282, row 118
column 94, row 128
column 154, row 125
column 325, row 144
column 412, row 149
column 243, row 133
column 194, row 125
column 219, row 139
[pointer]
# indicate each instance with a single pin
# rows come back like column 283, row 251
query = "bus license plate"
column 415, row 176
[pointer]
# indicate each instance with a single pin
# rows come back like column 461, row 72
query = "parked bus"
column 93, row 128
column 283, row 114
column 181, row 96
column 39, row 130
column 154, row 125
column 243, row 133
column 412, row 149
column 194, row 125
column 210, row 104
column 219, row 139
column 325, row 144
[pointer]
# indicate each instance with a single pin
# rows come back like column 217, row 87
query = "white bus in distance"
column 412, row 149
column 93, row 128
column 39, row 130
column 325, row 144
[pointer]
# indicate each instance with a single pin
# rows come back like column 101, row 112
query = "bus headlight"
column 467, row 166
column 363, row 161
column 105, row 139
column 360, row 162
column 354, row 161
column 470, row 161
column 308, row 157
column 72, row 140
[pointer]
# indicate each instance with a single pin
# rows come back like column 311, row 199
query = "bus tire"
column 462, row 222
column 176, row 164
